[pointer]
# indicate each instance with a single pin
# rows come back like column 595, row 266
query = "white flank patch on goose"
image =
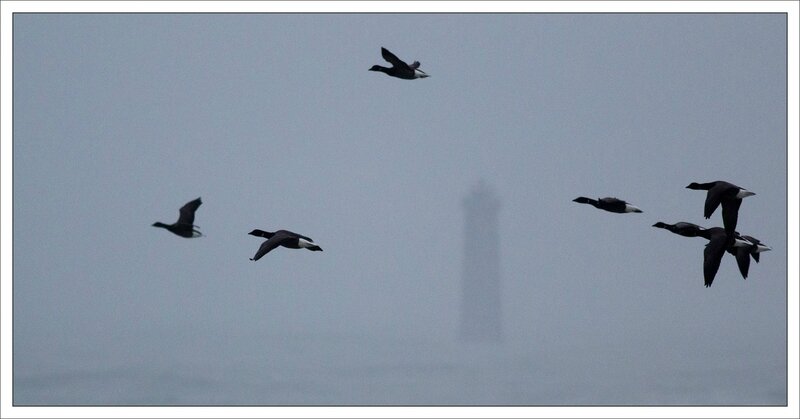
column 305, row 243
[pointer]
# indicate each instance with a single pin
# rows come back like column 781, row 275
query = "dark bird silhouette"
column 399, row 68
column 184, row 227
column 742, row 247
column 283, row 238
column 757, row 247
column 718, row 242
column 608, row 204
column 683, row 228
column 727, row 194
column 744, row 253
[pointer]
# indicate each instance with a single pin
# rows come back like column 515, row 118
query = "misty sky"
column 274, row 120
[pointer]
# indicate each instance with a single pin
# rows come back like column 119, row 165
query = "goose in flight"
column 399, row 68
column 184, row 227
column 742, row 247
column 727, row 194
column 283, row 238
column 608, row 204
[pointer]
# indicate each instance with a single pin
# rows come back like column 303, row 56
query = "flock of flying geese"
column 719, row 239
column 185, row 226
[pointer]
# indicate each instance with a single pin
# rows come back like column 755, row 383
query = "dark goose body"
column 609, row 204
column 399, row 67
column 742, row 247
column 718, row 243
column 724, row 193
column 184, row 227
column 283, row 238
column 683, row 228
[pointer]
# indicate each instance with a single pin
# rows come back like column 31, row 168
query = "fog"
column 274, row 120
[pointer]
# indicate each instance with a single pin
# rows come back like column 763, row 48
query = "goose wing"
column 713, row 199
column 743, row 260
column 187, row 212
column 270, row 244
column 755, row 242
column 712, row 256
column 388, row 56
column 730, row 214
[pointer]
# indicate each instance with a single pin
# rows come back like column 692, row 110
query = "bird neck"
column 262, row 233
column 703, row 186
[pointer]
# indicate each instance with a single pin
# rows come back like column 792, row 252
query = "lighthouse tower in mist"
column 481, row 308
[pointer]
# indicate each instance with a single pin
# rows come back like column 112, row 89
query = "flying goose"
column 727, row 194
column 184, row 227
column 718, row 242
column 742, row 247
column 283, row 238
column 608, row 204
column 399, row 68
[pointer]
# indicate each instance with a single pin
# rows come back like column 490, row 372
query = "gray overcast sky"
column 275, row 122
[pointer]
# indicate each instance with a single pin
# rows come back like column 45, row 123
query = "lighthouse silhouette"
column 481, row 302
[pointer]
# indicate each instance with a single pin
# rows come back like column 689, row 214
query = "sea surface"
column 370, row 370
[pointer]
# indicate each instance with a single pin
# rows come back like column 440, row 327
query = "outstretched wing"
column 712, row 256
column 730, row 215
column 743, row 260
column 388, row 56
column 713, row 198
column 755, row 242
column 268, row 245
column 187, row 212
